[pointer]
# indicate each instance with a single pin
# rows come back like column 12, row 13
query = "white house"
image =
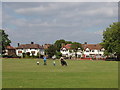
column 93, row 50
column 67, row 52
column 89, row 51
column 32, row 49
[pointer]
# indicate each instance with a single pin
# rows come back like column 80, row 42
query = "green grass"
column 24, row 73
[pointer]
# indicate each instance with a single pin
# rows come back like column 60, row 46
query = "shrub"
column 111, row 59
column 58, row 55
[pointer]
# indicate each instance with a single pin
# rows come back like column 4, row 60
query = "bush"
column 111, row 59
column 10, row 56
column 58, row 55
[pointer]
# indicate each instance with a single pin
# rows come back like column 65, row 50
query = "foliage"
column 4, row 41
column 58, row 44
column 68, row 42
column 111, row 39
column 51, row 51
column 75, row 46
column 58, row 55
column 10, row 56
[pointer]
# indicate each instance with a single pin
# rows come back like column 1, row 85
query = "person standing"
column 54, row 63
column 45, row 59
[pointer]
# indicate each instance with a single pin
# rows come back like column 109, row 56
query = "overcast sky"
column 44, row 22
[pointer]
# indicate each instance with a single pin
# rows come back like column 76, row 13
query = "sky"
column 46, row 22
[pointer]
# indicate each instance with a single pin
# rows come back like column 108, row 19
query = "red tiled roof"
column 29, row 46
column 67, row 46
column 90, row 46
column 10, row 47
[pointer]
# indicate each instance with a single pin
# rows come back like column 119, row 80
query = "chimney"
column 18, row 44
column 32, row 42
column 85, row 42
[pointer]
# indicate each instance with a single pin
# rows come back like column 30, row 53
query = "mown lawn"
column 24, row 73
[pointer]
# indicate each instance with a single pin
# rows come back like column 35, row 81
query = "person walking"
column 45, row 60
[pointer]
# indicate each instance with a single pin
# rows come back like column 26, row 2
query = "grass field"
column 24, row 73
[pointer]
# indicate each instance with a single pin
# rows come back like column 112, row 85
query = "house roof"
column 10, row 47
column 29, row 46
column 67, row 46
column 90, row 46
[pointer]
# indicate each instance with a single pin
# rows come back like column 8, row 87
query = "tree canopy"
column 75, row 46
column 111, row 39
column 4, row 40
column 51, row 51
column 58, row 44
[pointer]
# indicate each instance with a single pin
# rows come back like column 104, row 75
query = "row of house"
column 89, row 50
column 32, row 49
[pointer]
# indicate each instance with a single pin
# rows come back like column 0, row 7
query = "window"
column 92, row 50
column 33, row 52
column 87, row 50
column 87, row 56
column 19, row 51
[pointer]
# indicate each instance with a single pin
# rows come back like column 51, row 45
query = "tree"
column 75, row 46
column 4, row 41
column 68, row 42
column 51, row 51
column 111, row 40
column 58, row 44
column 58, row 54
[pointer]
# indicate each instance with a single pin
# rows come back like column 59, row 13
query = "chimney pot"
column 18, row 44
column 32, row 42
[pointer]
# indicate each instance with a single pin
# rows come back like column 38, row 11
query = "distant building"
column 89, row 51
column 10, row 51
column 32, row 49
column 93, row 50
column 66, row 52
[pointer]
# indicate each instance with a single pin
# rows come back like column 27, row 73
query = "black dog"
column 64, row 63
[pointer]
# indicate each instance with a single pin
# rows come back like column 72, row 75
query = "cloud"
column 0, row 14
column 47, row 22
